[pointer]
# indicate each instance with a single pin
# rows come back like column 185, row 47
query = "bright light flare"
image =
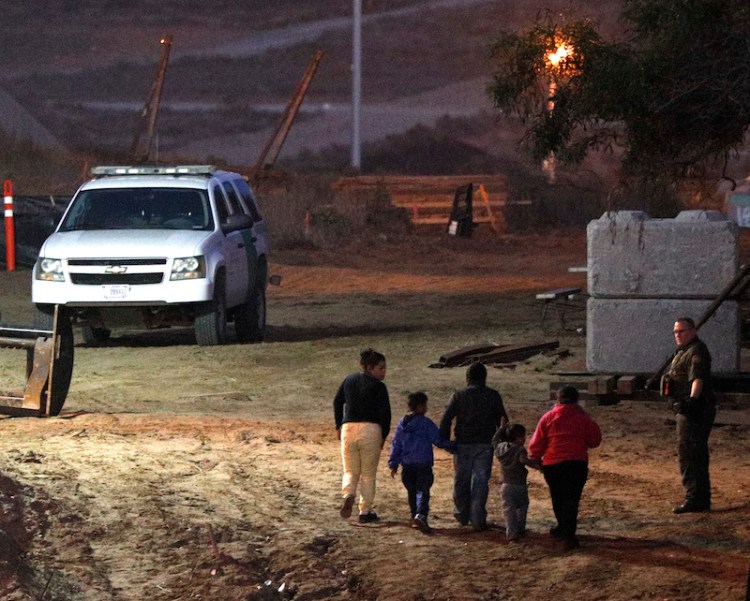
column 562, row 52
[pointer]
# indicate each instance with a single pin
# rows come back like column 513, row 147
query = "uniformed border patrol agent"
column 687, row 384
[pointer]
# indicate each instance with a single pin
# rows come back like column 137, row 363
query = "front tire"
column 250, row 318
column 44, row 319
column 211, row 321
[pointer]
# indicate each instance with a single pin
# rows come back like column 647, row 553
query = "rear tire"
column 211, row 321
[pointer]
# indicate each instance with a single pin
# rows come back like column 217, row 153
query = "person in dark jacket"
column 687, row 383
column 478, row 412
column 411, row 448
column 362, row 411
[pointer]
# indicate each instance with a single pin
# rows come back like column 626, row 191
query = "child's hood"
column 503, row 449
column 508, row 453
column 417, row 423
column 412, row 422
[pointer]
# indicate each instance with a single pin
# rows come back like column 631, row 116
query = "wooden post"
column 500, row 228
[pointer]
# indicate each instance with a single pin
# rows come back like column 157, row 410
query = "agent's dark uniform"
column 695, row 417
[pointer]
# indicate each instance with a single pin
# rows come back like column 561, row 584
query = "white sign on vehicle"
column 115, row 292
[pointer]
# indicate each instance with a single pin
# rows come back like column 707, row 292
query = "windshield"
column 139, row 209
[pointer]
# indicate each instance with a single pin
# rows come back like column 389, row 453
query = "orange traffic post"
column 10, row 227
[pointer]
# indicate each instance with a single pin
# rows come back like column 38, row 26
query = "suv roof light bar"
column 106, row 170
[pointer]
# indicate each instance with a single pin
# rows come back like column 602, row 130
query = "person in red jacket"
column 561, row 441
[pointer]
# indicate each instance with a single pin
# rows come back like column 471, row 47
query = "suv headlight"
column 49, row 270
column 188, row 268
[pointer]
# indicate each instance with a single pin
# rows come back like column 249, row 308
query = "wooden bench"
column 560, row 300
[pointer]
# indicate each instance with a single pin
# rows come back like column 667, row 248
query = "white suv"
column 177, row 244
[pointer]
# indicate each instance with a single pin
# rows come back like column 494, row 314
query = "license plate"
column 117, row 292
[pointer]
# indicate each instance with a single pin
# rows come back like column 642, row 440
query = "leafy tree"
column 673, row 93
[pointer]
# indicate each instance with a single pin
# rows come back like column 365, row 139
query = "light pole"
column 554, row 60
column 356, row 81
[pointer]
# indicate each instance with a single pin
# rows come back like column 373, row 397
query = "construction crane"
column 271, row 150
column 141, row 151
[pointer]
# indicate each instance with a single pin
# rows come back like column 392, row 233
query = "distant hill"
column 234, row 67
column 20, row 123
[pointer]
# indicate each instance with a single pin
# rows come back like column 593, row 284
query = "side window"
column 235, row 208
column 221, row 203
column 247, row 198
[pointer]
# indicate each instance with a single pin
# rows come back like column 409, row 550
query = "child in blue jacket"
column 412, row 449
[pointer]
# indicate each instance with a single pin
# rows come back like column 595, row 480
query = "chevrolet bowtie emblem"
column 115, row 269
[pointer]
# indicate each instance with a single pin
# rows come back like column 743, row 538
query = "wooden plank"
column 447, row 201
column 364, row 181
column 497, row 222
column 557, row 293
column 628, row 385
column 516, row 352
column 435, row 203
column 602, row 385
column 442, row 220
column 460, row 355
column 430, row 220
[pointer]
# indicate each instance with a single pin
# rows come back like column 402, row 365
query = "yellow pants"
column 361, row 443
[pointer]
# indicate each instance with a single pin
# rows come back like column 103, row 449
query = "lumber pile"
column 429, row 199
column 495, row 354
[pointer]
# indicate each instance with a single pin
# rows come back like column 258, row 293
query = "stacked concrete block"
column 643, row 273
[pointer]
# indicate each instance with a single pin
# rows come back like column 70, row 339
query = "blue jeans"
column 418, row 480
column 472, row 464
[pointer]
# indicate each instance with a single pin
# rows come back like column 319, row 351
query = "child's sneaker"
column 368, row 518
column 420, row 522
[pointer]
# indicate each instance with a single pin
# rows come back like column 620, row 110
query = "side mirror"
column 237, row 222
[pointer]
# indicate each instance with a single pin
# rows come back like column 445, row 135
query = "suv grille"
column 112, row 262
column 99, row 279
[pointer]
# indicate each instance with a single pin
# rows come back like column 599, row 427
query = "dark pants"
column 566, row 481
column 473, row 466
column 692, row 448
column 418, row 480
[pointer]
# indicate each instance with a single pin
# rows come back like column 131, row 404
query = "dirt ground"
column 180, row 472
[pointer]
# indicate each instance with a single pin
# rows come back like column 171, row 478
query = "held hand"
column 535, row 463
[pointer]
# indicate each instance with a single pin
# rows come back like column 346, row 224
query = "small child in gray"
column 511, row 452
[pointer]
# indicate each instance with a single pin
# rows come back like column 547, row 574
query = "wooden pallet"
column 732, row 391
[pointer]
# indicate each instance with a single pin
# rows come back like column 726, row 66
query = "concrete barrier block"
column 695, row 215
column 694, row 255
column 631, row 336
